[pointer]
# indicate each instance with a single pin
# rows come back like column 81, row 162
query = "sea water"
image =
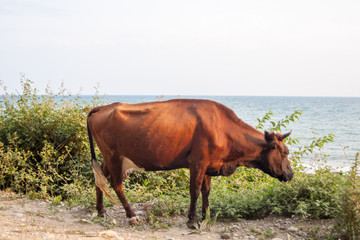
column 320, row 116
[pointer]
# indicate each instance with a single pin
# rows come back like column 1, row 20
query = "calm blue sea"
column 321, row 116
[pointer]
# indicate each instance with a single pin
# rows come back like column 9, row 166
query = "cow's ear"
column 269, row 137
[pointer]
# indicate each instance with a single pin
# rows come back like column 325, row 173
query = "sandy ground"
column 23, row 218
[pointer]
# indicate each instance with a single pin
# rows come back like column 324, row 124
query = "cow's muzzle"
column 286, row 177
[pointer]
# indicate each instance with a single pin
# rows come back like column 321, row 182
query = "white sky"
column 278, row 47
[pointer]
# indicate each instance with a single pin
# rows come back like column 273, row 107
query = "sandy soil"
column 23, row 218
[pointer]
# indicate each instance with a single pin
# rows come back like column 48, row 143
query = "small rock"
column 90, row 234
column 276, row 239
column 148, row 204
column 16, row 214
column 86, row 221
column 251, row 237
column 110, row 234
column 236, row 228
column 225, row 236
column 293, row 229
column 301, row 234
column 47, row 235
column 140, row 213
column 288, row 222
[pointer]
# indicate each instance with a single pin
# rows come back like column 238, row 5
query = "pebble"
column 148, row 204
column 293, row 229
column 251, row 237
column 301, row 234
column 16, row 214
column 288, row 222
column 140, row 213
column 236, row 228
column 276, row 239
column 225, row 236
column 47, row 235
column 110, row 234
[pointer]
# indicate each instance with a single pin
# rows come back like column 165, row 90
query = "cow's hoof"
column 193, row 224
column 134, row 220
column 102, row 213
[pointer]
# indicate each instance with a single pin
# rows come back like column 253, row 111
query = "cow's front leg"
column 205, row 191
column 196, row 179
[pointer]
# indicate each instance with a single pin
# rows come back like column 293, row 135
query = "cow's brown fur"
column 202, row 135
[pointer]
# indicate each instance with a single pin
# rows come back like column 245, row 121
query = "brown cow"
column 202, row 135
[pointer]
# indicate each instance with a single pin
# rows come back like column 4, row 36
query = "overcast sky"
column 291, row 48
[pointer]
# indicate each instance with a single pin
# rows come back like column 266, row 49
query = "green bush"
column 348, row 219
column 44, row 144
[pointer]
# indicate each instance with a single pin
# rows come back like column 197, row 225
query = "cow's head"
column 274, row 157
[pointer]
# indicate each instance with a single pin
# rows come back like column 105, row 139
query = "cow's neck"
column 248, row 143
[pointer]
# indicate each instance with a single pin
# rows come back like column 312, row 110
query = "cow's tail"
column 100, row 179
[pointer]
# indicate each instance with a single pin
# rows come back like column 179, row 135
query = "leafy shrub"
column 348, row 219
column 44, row 142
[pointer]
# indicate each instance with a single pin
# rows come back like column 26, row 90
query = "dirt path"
column 22, row 218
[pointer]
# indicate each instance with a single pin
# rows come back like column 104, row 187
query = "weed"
column 348, row 219
column 254, row 230
column 37, row 213
column 269, row 233
column 207, row 223
column 56, row 200
column 53, row 209
column 4, row 208
column 104, row 221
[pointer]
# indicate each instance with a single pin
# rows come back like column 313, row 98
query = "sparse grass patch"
column 348, row 219
column 4, row 208
column 74, row 231
column 35, row 213
column 254, row 230
column 269, row 233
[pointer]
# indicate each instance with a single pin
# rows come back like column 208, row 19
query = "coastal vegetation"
column 44, row 153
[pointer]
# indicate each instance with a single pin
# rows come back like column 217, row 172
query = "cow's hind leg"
column 99, row 195
column 205, row 191
column 119, row 189
column 117, row 185
column 100, row 202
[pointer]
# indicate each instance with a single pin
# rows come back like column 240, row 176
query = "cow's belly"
column 221, row 169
